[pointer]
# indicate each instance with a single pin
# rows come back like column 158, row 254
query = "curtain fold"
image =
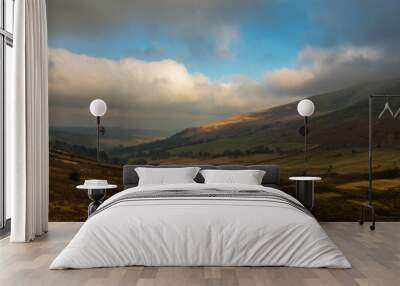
column 27, row 119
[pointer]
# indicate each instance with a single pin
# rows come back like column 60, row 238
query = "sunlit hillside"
column 343, row 113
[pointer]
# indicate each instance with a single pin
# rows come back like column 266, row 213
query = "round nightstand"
column 96, row 192
column 305, row 190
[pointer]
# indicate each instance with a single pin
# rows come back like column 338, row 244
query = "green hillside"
column 341, row 120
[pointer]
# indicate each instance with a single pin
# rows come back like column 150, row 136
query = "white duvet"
column 199, row 231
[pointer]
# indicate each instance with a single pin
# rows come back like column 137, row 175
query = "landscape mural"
column 218, row 82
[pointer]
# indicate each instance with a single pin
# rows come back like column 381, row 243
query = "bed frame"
column 270, row 179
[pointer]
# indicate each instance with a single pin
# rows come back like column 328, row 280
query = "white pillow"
column 165, row 176
column 248, row 177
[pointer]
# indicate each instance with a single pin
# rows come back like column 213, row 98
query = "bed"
column 197, row 224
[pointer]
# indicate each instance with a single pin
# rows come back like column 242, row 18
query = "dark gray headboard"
column 271, row 177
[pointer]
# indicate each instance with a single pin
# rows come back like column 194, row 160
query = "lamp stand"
column 305, row 143
column 98, row 138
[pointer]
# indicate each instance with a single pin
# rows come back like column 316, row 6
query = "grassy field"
column 66, row 172
column 338, row 196
column 249, row 141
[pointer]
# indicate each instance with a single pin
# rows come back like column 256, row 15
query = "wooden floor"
column 375, row 257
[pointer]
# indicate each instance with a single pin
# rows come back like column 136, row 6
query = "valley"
column 338, row 153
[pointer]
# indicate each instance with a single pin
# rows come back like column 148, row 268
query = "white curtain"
column 27, row 154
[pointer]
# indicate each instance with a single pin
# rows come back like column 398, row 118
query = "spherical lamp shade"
column 98, row 107
column 305, row 108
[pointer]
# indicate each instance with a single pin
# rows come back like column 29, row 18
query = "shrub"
column 75, row 176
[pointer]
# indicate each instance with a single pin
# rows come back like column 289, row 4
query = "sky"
column 172, row 64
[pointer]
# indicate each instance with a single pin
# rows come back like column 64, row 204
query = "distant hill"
column 341, row 120
column 113, row 137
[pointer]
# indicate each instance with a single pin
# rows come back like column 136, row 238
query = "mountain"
column 340, row 120
column 113, row 137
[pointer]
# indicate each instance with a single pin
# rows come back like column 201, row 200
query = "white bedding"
column 200, row 231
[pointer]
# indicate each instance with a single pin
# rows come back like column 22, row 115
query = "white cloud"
column 289, row 78
column 338, row 55
column 164, row 92
column 165, row 95
column 321, row 69
column 226, row 36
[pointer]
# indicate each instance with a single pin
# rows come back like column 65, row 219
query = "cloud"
column 362, row 22
column 226, row 37
column 87, row 16
column 289, row 79
column 200, row 23
column 207, row 27
column 165, row 95
column 320, row 70
column 146, row 94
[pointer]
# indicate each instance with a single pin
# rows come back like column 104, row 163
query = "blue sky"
column 252, row 54
column 258, row 46
column 195, row 61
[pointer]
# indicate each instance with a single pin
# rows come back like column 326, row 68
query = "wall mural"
column 217, row 82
